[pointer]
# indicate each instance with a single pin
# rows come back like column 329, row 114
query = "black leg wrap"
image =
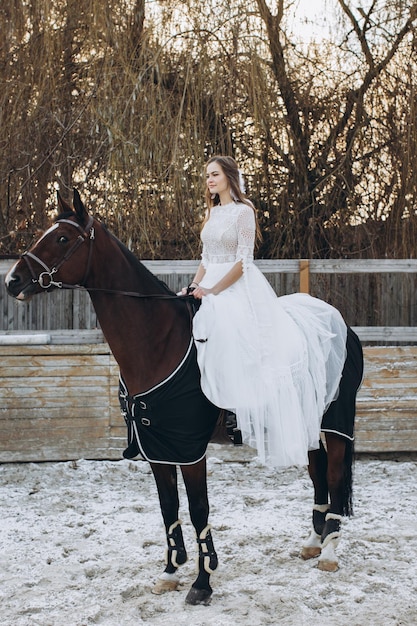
column 319, row 517
column 176, row 553
column 207, row 557
column 331, row 527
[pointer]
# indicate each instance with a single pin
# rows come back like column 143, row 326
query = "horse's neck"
column 148, row 337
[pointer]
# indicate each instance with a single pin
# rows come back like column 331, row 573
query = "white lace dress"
column 275, row 362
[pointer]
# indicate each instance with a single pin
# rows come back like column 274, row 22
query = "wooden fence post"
column 304, row 275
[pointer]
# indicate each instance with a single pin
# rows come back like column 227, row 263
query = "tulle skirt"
column 276, row 362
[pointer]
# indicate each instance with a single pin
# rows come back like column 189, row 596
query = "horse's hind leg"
column 195, row 479
column 332, row 488
column 317, row 469
column 339, row 486
column 175, row 555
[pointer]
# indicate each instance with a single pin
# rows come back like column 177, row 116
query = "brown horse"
column 170, row 422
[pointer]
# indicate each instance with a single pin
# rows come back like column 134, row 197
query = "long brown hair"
column 231, row 171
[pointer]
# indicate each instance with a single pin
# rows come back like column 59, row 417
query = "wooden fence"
column 371, row 294
column 58, row 388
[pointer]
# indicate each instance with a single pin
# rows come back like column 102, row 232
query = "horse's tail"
column 354, row 376
column 348, row 478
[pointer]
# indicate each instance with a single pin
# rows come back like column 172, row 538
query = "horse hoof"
column 312, row 546
column 310, row 552
column 327, row 566
column 328, row 558
column 198, row 596
column 163, row 585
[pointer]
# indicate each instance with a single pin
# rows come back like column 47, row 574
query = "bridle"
column 45, row 278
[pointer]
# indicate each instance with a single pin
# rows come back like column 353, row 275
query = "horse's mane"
column 138, row 265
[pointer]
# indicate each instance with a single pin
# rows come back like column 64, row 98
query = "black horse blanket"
column 340, row 416
column 173, row 422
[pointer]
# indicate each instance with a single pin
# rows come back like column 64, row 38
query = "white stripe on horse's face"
column 10, row 273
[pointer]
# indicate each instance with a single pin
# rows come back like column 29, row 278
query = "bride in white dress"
column 276, row 362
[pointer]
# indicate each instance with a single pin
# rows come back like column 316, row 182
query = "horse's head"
column 59, row 258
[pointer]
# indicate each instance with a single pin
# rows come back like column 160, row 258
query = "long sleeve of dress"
column 245, row 236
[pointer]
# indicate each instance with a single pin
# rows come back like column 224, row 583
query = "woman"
column 275, row 362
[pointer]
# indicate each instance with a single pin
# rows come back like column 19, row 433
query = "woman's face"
column 217, row 181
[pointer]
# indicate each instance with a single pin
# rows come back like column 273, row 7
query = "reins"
column 46, row 280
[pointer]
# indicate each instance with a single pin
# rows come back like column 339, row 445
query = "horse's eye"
column 63, row 239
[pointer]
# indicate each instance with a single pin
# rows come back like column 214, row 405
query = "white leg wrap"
column 312, row 546
column 332, row 539
column 333, row 516
column 207, row 567
column 313, row 540
column 328, row 559
column 322, row 508
column 174, row 551
column 202, row 559
column 169, row 577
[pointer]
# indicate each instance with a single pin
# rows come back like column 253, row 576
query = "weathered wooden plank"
column 99, row 451
column 380, row 334
column 402, row 359
column 78, row 427
column 27, row 338
column 53, row 414
column 59, row 365
column 328, row 266
column 390, row 353
column 395, row 438
column 99, row 348
column 50, row 387
column 366, row 266
column 392, row 405
column 389, row 437
column 386, row 333
column 84, row 335
column 75, row 398
column 283, row 265
column 387, row 442
column 400, row 419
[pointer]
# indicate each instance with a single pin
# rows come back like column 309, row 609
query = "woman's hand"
column 199, row 292
column 187, row 291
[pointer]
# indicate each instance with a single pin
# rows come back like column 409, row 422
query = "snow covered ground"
column 82, row 543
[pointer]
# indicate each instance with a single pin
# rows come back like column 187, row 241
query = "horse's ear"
column 79, row 207
column 63, row 206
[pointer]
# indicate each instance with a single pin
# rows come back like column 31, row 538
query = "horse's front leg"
column 175, row 555
column 195, row 480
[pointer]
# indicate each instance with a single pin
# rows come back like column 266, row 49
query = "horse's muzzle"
column 17, row 286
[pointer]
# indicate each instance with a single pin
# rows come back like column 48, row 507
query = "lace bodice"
column 229, row 234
